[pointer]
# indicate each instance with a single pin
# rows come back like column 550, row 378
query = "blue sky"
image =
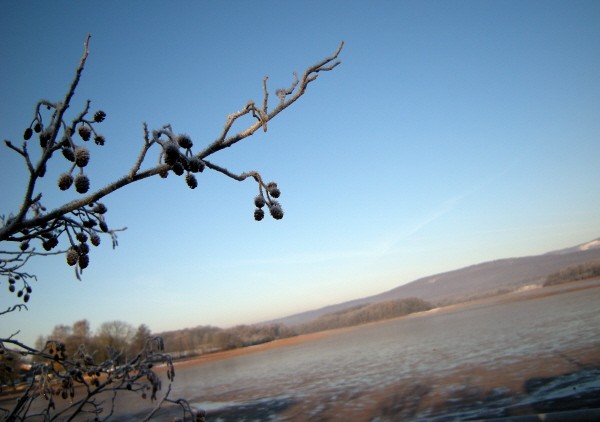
column 453, row 133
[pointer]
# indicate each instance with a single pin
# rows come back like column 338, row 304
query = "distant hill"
column 594, row 244
column 473, row 281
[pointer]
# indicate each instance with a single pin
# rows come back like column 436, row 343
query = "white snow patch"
column 590, row 245
column 527, row 288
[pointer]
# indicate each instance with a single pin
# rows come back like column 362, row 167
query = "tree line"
column 207, row 339
column 116, row 341
column 363, row 314
column 574, row 273
column 111, row 336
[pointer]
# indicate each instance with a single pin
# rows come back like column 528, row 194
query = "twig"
column 158, row 405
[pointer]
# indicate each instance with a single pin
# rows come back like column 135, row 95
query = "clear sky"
column 454, row 132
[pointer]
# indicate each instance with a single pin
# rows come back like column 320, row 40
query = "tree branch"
column 310, row 75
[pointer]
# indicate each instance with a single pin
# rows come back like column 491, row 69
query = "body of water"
column 508, row 355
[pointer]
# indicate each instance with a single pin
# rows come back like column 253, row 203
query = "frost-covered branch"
column 81, row 222
column 64, row 386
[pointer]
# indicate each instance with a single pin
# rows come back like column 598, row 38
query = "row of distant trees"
column 365, row 313
column 115, row 340
column 115, row 335
column 124, row 339
column 206, row 339
column 119, row 341
column 574, row 273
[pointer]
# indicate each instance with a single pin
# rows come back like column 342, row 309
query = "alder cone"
column 95, row 240
column 185, row 141
column 82, row 183
column 84, row 132
column 191, row 181
column 72, row 256
column 259, row 214
column 259, row 201
column 195, row 165
column 65, row 181
column 99, row 116
column 82, row 157
column 276, row 212
column 171, row 153
column 68, row 154
column 84, row 261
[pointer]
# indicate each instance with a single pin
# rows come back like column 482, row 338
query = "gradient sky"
column 454, row 132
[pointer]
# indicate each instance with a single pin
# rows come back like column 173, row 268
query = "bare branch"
column 27, row 202
column 158, row 405
column 266, row 96
column 14, row 148
column 147, row 145
column 309, row 75
column 13, row 308
column 74, row 83
column 239, row 178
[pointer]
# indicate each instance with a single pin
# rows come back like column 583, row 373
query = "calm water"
column 403, row 369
